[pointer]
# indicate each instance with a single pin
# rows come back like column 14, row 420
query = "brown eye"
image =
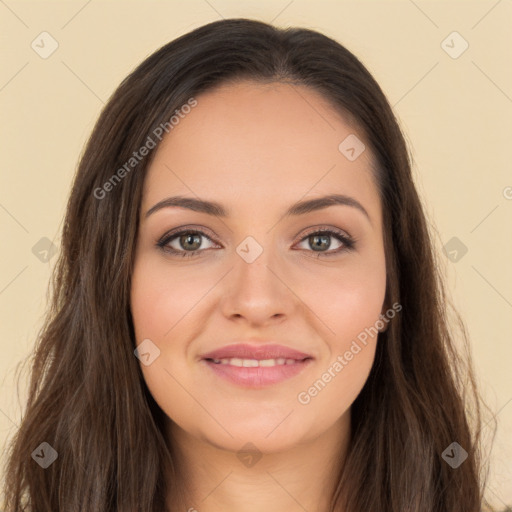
column 190, row 241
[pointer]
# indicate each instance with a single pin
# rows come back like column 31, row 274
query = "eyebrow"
column 299, row 208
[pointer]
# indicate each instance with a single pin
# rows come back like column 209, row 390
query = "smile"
column 256, row 373
column 253, row 363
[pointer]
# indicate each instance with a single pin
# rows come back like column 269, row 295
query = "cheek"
column 349, row 302
column 347, row 299
column 331, row 393
column 160, row 298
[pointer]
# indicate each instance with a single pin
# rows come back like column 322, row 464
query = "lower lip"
column 257, row 377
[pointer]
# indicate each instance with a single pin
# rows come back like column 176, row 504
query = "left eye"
column 320, row 239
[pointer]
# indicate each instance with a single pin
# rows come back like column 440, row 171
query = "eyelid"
column 343, row 236
column 209, row 233
column 189, row 227
column 322, row 227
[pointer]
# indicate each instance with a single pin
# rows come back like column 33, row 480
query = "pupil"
column 187, row 238
column 323, row 244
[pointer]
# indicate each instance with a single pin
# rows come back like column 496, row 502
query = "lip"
column 256, row 377
column 256, row 351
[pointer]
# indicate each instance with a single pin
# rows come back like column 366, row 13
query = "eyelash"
column 348, row 242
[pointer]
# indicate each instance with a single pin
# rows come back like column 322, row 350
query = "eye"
column 185, row 243
column 189, row 242
column 320, row 241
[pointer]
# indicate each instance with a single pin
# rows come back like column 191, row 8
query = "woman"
column 244, row 371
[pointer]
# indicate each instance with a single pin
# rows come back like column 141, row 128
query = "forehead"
column 250, row 143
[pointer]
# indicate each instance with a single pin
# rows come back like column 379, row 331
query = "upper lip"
column 256, row 351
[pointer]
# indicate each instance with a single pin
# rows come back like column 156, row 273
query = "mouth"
column 256, row 363
column 255, row 374
column 256, row 367
column 250, row 352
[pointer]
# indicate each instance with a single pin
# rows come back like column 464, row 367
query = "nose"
column 257, row 292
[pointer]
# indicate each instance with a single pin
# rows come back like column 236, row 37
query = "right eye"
column 187, row 243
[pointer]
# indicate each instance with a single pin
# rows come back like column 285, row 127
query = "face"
column 310, row 281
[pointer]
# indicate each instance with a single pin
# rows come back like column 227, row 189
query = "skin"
column 257, row 149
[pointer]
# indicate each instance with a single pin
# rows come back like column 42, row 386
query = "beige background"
column 456, row 114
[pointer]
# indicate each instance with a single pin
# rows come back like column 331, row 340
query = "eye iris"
column 184, row 239
column 323, row 244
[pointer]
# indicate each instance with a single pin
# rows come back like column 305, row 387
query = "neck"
column 213, row 479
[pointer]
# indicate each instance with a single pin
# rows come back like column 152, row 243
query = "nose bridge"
column 257, row 263
column 255, row 289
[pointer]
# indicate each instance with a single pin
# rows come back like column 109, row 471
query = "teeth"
column 253, row 363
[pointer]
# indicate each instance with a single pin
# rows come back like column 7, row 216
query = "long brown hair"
column 87, row 397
